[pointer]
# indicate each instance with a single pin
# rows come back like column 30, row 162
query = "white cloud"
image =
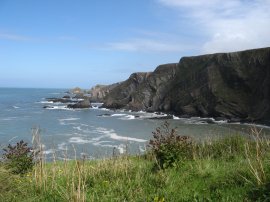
column 229, row 25
column 13, row 37
column 146, row 45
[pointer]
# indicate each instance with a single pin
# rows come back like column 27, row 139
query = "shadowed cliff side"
column 231, row 85
column 142, row 91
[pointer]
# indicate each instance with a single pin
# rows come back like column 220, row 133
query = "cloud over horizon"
column 230, row 25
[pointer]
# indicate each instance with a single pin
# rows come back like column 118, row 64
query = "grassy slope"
column 219, row 171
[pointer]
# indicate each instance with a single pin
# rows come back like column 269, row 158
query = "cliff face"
column 98, row 92
column 142, row 91
column 231, row 85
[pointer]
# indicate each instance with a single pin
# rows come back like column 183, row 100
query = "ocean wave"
column 50, row 151
column 101, row 143
column 78, row 128
column 79, row 140
column 45, row 102
column 59, row 108
column 113, row 135
column 62, row 146
column 15, row 107
column 104, row 109
column 118, row 114
column 69, row 119
column 256, row 125
column 128, row 117
column 175, row 117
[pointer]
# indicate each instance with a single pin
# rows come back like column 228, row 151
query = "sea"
column 96, row 132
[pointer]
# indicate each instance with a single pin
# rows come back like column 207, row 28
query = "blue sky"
column 67, row 43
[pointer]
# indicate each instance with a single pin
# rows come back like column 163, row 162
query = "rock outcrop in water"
column 230, row 85
column 80, row 105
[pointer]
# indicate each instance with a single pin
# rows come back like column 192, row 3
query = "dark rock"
column 162, row 117
column 47, row 107
column 80, row 104
column 231, row 85
column 66, row 97
column 235, row 120
column 79, row 96
column 209, row 121
column 143, row 91
column 104, row 115
column 60, row 100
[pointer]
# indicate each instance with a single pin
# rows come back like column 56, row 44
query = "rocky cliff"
column 98, row 92
column 142, row 91
column 230, row 85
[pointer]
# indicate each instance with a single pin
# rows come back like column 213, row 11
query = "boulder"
column 80, row 105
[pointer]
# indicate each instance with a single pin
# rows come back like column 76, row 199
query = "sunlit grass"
column 234, row 168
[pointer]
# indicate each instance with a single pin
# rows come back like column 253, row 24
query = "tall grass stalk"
column 256, row 161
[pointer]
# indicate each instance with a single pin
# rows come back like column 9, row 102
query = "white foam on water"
column 123, row 138
column 113, row 135
column 128, row 117
column 15, row 107
column 175, row 117
column 79, row 140
column 256, row 125
column 101, row 143
column 82, row 124
column 78, row 128
column 221, row 121
column 45, row 102
column 59, row 107
column 62, row 146
column 50, row 151
column 118, row 114
column 69, row 119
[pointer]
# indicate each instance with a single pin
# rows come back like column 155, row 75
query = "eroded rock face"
column 99, row 92
column 142, row 91
column 230, row 85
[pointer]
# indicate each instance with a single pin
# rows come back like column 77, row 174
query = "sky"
column 67, row 43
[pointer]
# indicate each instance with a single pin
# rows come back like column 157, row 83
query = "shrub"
column 19, row 158
column 168, row 147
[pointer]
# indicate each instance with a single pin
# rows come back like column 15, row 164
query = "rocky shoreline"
column 226, row 86
column 232, row 86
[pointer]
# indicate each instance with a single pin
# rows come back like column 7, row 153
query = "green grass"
column 229, row 169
